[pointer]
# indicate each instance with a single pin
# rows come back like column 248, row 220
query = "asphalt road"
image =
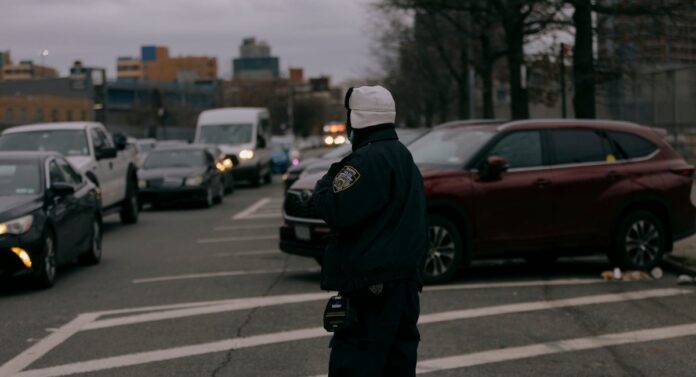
column 205, row 292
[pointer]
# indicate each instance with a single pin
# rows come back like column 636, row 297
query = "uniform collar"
column 372, row 134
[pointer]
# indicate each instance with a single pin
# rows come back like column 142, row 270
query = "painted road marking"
column 245, row 227
column 236, row 239
column 249, row 253
column 549, row 348
column 251, row 209
column 229, row 306
column 515, row 284
column 265, row 208
column 317, row 332
column 222, row 274
column 35, row 352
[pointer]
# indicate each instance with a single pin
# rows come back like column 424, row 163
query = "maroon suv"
column 540, row 189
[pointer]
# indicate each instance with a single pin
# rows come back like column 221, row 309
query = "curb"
column 679, row 264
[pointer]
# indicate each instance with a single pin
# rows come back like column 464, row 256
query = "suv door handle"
column 542, row 182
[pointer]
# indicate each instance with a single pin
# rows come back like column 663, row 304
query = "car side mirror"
column 62, row 189
column 120, row 141
column 493, row 168
column 105, row 152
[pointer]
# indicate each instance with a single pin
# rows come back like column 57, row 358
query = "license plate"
column 302, row 233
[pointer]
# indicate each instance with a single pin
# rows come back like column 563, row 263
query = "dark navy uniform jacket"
column 374, row 202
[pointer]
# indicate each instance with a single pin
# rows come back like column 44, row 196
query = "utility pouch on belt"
column 339, row 315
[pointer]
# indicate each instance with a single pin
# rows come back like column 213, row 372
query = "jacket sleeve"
column 351, row 192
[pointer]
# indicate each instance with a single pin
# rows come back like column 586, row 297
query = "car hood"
column 170, row 172
column 14, row 206
column 235, row 149
column 80, row 163
column 307, row 182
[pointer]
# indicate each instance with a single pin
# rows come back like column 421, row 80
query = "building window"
column 68, row 115
column 9, row 114
column 55, row 115
column 23, row 115
column 83, row 115
column 38, row 116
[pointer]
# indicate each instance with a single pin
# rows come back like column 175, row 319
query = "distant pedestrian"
column 374, row 202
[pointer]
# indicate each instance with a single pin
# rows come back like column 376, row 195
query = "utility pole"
column 561, row 60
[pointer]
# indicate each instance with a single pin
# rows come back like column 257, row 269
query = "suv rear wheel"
column 446, row 252
column 640, row 242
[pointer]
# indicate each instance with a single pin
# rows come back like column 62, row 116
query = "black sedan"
column 49, row 216
column 181, row 173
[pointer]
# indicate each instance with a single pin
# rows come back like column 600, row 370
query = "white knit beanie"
column 370, row 106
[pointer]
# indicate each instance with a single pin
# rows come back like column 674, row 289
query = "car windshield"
column 65, row 142
column 337, row 152
column 175, row 158
column 408, row 136
column 146, row 147
column 451, row 147
column 19, row 178
column 226, row 134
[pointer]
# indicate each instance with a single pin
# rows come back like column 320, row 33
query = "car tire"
column 94, row 254
column 209, row 198
column 130, row 207
column 268, row 177
column 221, row 193
column 446, row 252
column 45, row 268
column 256, row 179
column 639, row 243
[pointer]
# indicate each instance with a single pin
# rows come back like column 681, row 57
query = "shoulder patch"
column 345, row 178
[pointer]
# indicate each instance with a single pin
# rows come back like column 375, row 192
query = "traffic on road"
column 228, row 289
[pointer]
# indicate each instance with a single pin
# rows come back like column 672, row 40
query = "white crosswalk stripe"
column 169, row 312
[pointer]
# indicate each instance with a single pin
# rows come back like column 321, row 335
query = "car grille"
column 297, row 204
column 161, row 182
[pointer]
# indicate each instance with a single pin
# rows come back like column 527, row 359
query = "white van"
column 242, row 132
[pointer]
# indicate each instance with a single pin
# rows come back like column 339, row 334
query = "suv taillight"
column 686, row 171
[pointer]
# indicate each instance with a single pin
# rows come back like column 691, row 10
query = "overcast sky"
column 323, row 36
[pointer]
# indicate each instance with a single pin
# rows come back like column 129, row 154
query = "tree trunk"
column 486, row 73
column 583, row 62
column 519, row 99
column 463, row 85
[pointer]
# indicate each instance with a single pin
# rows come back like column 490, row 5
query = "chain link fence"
column 663, row 98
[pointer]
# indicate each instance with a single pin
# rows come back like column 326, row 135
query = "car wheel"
column 130, row 207
column 639, row 243
column 94, row 254
column 268, row 178
column 221, row 193
column 446, row 251
column 46, row 266
column 209, row 198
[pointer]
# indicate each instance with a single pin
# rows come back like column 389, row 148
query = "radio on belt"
column 339, row 315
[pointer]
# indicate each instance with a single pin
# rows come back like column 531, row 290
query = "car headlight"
column 194, row 181
column 339, row 140
column 228, row 163
column 17, row 226
column 329, row 140
column 220, row 166
column 142, row 183
column 246, row 154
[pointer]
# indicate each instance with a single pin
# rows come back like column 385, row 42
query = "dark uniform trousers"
column 385, row 340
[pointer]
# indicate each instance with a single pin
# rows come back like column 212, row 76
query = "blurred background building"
column 255, row 61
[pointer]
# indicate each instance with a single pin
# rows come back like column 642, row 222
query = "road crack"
column 249, row 317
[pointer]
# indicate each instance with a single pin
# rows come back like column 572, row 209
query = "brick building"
column 155, row 64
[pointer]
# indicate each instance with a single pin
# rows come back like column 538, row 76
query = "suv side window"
column 70, row 174
column 55, row 173
column 522, row 149
column 577, row 146
column 631, row 146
